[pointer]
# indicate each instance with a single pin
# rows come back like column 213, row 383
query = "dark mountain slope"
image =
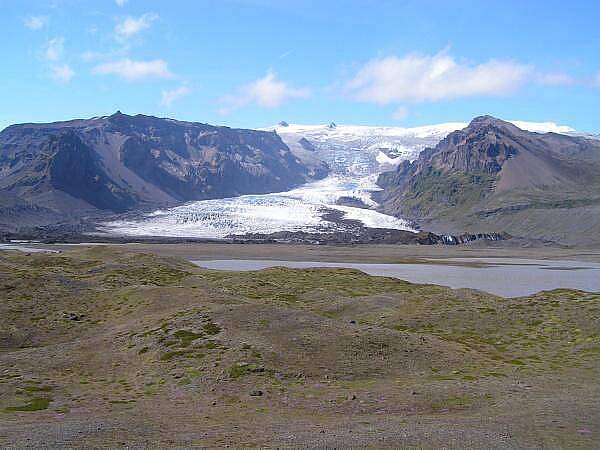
column 493, row 176
column 122, row 162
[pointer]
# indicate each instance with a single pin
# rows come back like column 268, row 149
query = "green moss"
column 211, row 329
column 496, row 374
column 516, row 362
column 237, row 371
column 35, row 404
column 211, row 345
column 186, row 337
column 452, row 403
column 167, row 356
column 157, row 275
column 242, row 369
column 285, row 285
column 37, row 388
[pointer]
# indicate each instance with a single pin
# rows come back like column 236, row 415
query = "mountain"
column 117, row 163
column 362, row 149
column 342, row 145
column 340, row 203
column 355, row 156
column 494, row 176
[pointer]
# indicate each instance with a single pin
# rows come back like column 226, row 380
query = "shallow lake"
column 25, row 248
column 506, row 277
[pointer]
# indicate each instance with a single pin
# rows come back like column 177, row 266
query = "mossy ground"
column 157, row 349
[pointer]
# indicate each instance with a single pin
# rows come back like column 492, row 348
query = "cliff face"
column 122, row 162
column 493, row 176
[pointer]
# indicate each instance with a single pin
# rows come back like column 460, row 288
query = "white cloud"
column 131, row 26
column 120, row 2
column 53, row 54
column 556, row 79
column 114, row 54
column 400, row 113
column 134, row 70
column 267, row 92
column 54, row 49
column 62, row 73
column 36, row 22
column 89, row 55
column 420, row 78
column 169, row 96
column 596, row 80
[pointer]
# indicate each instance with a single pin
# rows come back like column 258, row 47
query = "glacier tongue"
column 355, row 154
column 219, row 218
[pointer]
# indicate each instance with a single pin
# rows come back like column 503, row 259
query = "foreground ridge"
column 339, row 352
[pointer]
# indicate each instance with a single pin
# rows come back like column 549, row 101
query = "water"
column 26, row 249
column 506, row 277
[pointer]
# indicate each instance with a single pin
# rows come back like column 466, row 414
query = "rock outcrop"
column 120, row 162
column 493, row 177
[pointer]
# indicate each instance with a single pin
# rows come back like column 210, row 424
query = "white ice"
column 356, row 155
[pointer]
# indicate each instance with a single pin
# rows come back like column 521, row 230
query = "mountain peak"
column 493, row 124
column 487, row 120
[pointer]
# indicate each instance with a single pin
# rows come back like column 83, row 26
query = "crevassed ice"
column 219, row 218
column 356, row 155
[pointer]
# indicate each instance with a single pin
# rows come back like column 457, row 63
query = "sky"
column 253, row 63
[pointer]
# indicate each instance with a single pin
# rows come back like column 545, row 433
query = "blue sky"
column 252, row 63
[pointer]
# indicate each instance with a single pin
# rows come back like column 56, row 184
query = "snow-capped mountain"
column 394, row 141
column 356, row 155
column 334, row 143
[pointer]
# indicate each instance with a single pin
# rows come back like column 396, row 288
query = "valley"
column 491, row 342
column 266, row 224
column 356, row 156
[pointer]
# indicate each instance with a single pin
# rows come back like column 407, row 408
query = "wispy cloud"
column 62, row 73
column 94, row 56
column 400, row 113
column 53, row 53
column 556, row 79
column 419, row 78
column 169, row 96
column 565, row 79
column 54, row 49
column 120, row 2
column 36, row 22
column 130, row 26
column 266, row 92
column 132, row 70
column 90, row 55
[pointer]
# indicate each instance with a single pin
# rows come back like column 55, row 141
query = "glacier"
column 356, row 156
